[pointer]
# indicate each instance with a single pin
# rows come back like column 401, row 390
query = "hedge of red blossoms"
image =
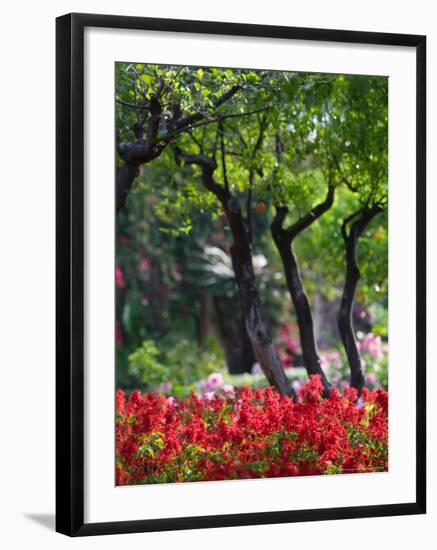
column 251, row 434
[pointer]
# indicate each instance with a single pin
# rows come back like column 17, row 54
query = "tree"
column 302, row 158
column 352, row 229
column 363, row 168
column 283, row 238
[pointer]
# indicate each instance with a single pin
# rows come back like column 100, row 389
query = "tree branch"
column 223, row 152
column 365, row 218
column 188, row 120
column 144, row 107
column 278, row 221
column 192, row 126
column 155, row 118
column 347, row 221
column 207, row 165
column 315, row 213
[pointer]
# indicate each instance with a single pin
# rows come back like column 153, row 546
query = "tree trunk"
column 257, row 330
column 248, row 358
column 344, row 317
column 360, row 220
column 283, row 239
column 301, row 304
column 235, row 340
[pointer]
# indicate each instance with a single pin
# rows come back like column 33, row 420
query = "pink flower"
column 324, row 363
column 119, row 277
column 334, row 356
column 208, row 396
column 335, row 359
column 228, row 390
column 372, row 345
column 215, row 381
column 371, row 378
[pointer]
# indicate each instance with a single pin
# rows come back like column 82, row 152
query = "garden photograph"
column 251, row 274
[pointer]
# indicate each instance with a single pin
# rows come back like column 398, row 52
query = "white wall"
column 27, row 269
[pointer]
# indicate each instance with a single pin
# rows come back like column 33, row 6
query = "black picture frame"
column 70, row 273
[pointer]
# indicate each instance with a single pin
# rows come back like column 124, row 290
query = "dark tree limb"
column 283, row 239
column 357, row 222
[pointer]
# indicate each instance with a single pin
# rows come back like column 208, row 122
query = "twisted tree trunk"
column 241, row 255
column 359, row 221
column 283, row 239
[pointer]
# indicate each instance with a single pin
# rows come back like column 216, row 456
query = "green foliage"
column 144, row 364
column 181, row 363
column 362, row 135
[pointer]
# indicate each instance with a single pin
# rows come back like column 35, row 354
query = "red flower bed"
column 256, row 433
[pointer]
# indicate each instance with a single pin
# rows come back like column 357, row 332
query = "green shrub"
column 182, row 364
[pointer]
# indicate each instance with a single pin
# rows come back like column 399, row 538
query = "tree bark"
column 283, row 239
column 301, row 304
column 359, row 221
column 241, row 255
column 125, row 178
column 257, row 330
column 236, row 343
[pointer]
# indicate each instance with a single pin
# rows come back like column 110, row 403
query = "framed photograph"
column 240, row 274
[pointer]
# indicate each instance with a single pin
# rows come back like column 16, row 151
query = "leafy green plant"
column 176, row 367
column 145, row 364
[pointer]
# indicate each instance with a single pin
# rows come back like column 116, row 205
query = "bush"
column 249, row 434
column 177, row 367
